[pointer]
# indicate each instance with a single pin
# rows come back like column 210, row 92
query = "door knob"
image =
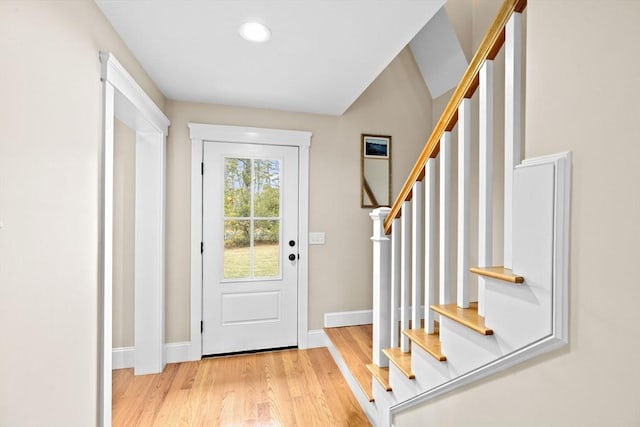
column 292, row 257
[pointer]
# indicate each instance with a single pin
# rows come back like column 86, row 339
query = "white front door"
column 250, row 247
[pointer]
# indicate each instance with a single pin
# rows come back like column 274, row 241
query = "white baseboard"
column 348, row 318
column 175, row 352
column 122, row 357
column 316, row 338
column 353, row 318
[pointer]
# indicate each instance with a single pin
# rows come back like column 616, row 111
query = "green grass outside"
column 266, row 262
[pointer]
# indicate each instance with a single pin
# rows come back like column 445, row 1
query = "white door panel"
column 250, row 307
column 250, row 214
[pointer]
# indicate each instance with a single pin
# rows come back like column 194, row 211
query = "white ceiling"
column 322, row 54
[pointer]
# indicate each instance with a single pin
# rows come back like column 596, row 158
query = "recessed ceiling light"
column 254, row 32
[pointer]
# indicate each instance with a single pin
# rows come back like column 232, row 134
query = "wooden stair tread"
column 428, row 342
column 499, row 273
column 354, row 345
column 401, row 359
column 466, row 316
column 381, row 375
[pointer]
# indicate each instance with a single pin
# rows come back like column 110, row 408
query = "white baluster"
column 512, row 122
column 381, row 286
column 464, row 202
column 445, row 218
column 396, row 235
column 430, row 244
column 485, row 178
column 405, row 273
column 416, row 253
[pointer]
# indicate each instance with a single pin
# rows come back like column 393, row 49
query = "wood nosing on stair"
column 428, row 342
column 401, row 359
column 466, row 316
column 500, row 273
column 381, row 375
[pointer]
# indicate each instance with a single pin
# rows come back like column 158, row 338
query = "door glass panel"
column 267, row 248
column 251, row 218
column 237, row 249
column 267, row 188
column 237, row 187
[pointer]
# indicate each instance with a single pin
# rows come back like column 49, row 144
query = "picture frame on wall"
column 376, row 146
column 375, row 167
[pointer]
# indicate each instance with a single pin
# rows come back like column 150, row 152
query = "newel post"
column 381, row 286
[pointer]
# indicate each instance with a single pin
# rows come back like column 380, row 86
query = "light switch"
column 316, row 238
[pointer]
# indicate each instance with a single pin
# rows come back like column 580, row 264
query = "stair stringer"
column 546, row 299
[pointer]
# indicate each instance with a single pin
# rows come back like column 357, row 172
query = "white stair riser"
column 383, row 401
column 429, row 372
column 403, row 387
column 466, row 349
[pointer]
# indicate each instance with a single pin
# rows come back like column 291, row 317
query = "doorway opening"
column 123, row 99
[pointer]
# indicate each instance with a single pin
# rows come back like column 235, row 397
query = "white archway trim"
column 198, row 133
column 124, row 99
column 144, row 108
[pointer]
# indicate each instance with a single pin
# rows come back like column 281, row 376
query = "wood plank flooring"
column 280, row 388
column 354, row 343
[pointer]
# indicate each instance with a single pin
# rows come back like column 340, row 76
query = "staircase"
column 475, row 319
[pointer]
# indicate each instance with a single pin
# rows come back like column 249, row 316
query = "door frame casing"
column 125, row 100
column 199, row 133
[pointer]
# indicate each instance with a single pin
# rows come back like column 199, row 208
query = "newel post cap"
column 379, row 214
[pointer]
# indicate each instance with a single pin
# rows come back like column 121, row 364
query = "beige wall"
column 124, row 193
column 50, row 126
column 397, row 103
column 582, row 93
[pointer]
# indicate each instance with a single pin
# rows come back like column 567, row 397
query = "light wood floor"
column 281, row 388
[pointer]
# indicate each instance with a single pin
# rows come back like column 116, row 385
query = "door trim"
column 198, row 133
column 124, row 99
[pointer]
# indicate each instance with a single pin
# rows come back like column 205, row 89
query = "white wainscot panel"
column 522, row 314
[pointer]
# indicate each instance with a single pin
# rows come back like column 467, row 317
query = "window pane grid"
column 252, row 206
